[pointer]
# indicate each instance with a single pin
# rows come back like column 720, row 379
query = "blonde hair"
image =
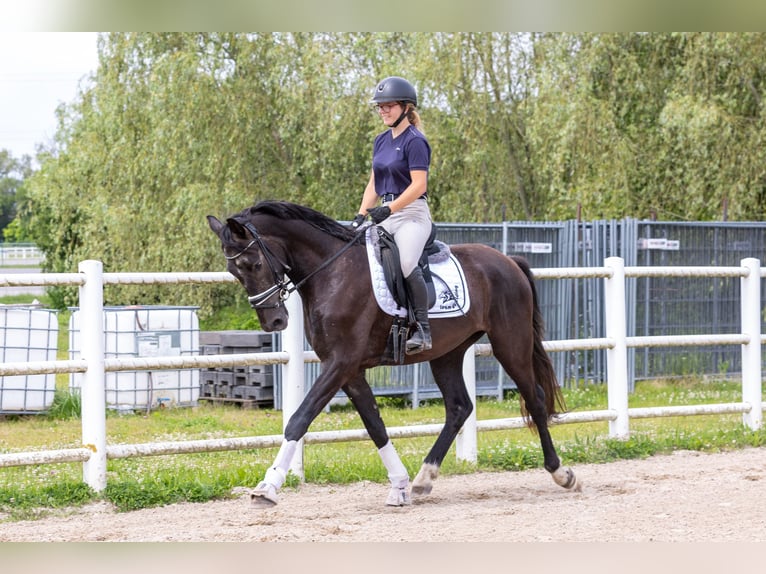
column 414, row 117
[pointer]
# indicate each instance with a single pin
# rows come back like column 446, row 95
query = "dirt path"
column 686, row 496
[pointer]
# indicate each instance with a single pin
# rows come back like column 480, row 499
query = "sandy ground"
column 683, row 497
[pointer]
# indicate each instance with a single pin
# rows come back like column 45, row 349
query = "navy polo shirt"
column 393, row 159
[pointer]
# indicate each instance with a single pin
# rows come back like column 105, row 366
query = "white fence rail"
column 95, row 451
column 11, row 253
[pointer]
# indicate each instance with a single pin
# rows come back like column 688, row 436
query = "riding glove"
column 358, row 220
column 378, row 214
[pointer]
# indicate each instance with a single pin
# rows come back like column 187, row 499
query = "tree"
column 177, row 126
column 523, row 126
column 633, row 124
column 13, row 172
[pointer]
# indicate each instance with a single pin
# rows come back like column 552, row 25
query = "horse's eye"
column 248, row 263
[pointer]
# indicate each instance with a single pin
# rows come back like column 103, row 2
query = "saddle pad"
column 452, row 298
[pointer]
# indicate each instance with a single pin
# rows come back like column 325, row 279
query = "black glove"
column 358, row 220
column 378, row 214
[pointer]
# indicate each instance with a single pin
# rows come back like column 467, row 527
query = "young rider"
column 398, row 180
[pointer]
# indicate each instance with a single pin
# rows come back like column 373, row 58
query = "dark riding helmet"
column 395, row 89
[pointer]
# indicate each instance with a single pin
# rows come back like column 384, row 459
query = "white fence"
column 13, row 253
column 95, row 451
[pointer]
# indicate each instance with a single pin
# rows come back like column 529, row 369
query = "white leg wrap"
column 397, row 472
column 266, row 491
column 276, row 475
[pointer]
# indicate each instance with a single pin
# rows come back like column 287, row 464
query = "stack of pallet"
column 249, row 386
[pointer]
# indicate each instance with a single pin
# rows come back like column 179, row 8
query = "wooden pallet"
column 244, row 403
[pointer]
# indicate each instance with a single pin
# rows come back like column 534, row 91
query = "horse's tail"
column 545, row 375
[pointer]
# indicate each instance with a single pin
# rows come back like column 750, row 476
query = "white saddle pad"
column 452, row 298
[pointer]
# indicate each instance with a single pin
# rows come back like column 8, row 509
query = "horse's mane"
column 293, row 211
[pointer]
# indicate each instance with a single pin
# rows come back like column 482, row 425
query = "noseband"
column 258, row 301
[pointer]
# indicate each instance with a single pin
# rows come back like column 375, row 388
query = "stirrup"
column 419, row 342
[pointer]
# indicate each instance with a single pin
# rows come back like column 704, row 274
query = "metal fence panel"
column 573, row 308
column 680, row 305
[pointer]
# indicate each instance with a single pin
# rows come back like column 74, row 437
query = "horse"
column 276, row 247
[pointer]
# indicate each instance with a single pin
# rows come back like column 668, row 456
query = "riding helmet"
column 395, row 89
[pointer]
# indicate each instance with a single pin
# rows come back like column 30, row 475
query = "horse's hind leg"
column 539, row 405
column 363, row 399
column 448, row 374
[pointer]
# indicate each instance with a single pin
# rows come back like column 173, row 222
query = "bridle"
column 282, row 285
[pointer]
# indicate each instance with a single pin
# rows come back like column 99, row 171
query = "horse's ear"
column 237, row 229
column 214, row 224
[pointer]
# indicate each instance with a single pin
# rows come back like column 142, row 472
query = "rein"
column 282, row 284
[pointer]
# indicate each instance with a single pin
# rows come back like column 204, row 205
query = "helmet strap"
column 403, row 115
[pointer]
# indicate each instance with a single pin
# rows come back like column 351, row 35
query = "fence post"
column 750, row 302
column 465, row 446
column 92, row 390
column 416, row 386
column 616, row 356
column 293, row 372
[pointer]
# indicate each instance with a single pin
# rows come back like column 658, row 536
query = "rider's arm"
column 369, row 198
column 417, row 188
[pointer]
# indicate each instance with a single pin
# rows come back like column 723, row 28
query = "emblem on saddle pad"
column 449, row 297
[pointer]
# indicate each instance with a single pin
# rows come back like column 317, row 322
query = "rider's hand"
column 358, row 220
column 378, row 214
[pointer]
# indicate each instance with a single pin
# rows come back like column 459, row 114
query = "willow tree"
column 474, row 91
column 173, row 127
column 176, row 126
column 643, row 124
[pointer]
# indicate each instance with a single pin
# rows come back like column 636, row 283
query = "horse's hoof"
column 264, row 496
column 398, row 497
column 422, row 490
column 565, row 478
column 423, row 483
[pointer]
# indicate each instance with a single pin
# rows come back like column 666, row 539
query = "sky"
column 38, row 72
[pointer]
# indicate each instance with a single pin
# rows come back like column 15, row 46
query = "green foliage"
column 12, row 175
column 163, row 488
column 66, row 405
column 176, row 126
column 238, row 316
column 23, row 502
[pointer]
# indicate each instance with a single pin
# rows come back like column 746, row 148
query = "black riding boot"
column 418, row 294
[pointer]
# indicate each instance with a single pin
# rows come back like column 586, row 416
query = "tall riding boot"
column 418, row 294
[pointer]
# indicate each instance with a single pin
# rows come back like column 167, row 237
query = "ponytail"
column 414, row 118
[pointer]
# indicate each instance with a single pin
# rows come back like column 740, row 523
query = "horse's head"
column 258, row 269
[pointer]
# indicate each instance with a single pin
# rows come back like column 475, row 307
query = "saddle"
column 389, row 259
column 392, row 271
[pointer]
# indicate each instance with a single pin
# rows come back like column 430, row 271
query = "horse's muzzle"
column 274, row 321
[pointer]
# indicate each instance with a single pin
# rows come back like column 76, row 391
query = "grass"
column 29, row 492
column 34, row 491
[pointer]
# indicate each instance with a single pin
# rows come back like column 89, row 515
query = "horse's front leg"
column 359, row 392
column 326, row 385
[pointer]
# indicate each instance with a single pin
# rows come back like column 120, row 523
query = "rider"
column 401, row 158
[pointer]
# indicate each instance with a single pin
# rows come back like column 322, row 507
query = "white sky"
column 39, row 71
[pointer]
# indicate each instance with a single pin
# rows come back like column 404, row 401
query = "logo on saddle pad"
column 452, row 298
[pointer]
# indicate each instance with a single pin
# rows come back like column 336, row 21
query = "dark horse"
column 273, row 243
